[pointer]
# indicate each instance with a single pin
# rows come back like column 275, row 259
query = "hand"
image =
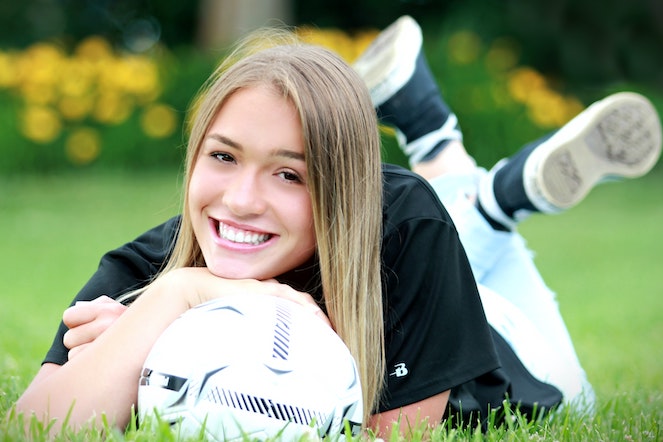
column 87, row 320
column 199, row 285
column 302, row 298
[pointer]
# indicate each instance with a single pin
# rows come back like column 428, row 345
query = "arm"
column 131, row 266
column 87, row 320
column 103, row 379
column 429, row 411
column 121, row 270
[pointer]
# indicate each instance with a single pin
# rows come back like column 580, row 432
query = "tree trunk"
column 221, row 22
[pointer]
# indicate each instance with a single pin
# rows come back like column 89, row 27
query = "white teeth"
column 241, row 236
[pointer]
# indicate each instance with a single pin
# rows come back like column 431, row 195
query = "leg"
column 517, row 302
column 539, row 352
column 406, row 97
column 617, row 137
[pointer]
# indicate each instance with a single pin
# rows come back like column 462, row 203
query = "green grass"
column 603, row 258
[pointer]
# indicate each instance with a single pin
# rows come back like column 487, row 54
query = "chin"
column 236, row 273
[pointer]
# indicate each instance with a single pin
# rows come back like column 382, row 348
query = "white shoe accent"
column 417, row 149
column 389, row 62
column 617, row 137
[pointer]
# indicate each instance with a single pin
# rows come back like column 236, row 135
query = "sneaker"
column 405, row 93
column 617, row 137
column 390, row 60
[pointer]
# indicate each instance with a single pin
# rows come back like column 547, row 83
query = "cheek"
column 199, row 189
column 193, row 196
column 306, row 226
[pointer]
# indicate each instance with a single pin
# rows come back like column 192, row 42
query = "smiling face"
column 248, row 200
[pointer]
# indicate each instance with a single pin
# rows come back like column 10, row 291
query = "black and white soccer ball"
column 256, row 366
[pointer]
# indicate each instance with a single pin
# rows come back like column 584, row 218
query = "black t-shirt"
column 436, row 334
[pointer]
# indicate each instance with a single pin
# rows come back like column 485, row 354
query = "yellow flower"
column 78, row 77
column 345, row 45
column 142, row 77
column 133, row 75
column 464, row 47
column 8, row 71
column 524, row 81
column 362, row 40
column 38, row 93
column 40, row 63
column 333, row 39
column 112, row 107
column 547, row 108
column 83, row 146
column 94, row 48
column 158, row 121
column 40, row 124
column 75, row 108
column 572, row 107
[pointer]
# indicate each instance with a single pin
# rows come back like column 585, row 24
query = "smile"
column 240, row 236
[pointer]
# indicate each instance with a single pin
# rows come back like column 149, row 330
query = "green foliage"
column 90, row 105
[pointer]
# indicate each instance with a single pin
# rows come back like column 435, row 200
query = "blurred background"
column 107, row 83
column 94, row 96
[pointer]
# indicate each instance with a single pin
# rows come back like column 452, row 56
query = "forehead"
column 258, row 116
column 265, row 94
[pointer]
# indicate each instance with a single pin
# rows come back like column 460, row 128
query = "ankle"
column 453, row 158
column 488, row 204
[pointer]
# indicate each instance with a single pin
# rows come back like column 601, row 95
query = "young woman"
column 284, row 196
column 440, row 356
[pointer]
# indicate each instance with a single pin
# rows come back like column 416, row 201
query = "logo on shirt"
column 400, row 370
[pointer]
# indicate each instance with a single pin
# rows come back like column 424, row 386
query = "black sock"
column 508, row 185
column 417, row 109
column 506, row 195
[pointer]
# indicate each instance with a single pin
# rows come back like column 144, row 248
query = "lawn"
column 603, row 258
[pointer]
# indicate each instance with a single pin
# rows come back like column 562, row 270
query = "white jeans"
column 518, row 303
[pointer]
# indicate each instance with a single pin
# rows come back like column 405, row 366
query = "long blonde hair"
column 344, row 180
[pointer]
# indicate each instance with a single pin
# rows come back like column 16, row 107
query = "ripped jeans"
column 517, row 302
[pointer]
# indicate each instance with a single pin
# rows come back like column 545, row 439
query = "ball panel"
column 251, row 364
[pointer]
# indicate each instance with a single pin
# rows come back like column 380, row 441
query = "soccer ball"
column 252, row 366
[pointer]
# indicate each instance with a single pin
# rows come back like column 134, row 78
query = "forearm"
column 104, row 378
column 411, row 417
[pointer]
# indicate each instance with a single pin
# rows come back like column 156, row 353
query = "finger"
column 82, row 334
column 87, row 311
column 78, row 314
column 75, row 351
column 88, row 331
column 317, row 311
column 302, row 298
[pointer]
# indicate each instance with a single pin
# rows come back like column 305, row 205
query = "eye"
column 290, row 176
column 223, row 157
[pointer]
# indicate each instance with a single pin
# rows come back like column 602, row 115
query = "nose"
column 244, row 195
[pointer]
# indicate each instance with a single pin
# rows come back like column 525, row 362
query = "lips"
column 241, row 236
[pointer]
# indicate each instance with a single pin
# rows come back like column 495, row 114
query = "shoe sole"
column 385, row 65
column 618, row 137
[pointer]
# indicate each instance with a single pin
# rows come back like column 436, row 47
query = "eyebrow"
column 282, row 152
